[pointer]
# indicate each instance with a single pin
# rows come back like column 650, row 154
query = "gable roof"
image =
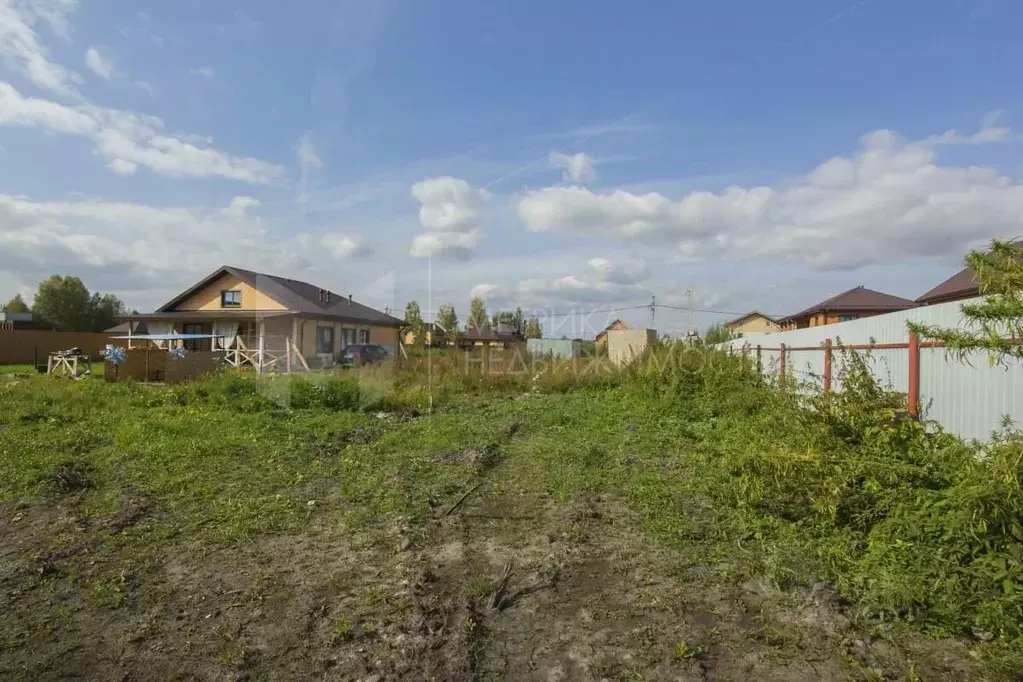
column 854, row 300
column 489, row 334
column 752, row 313
column 609, row 327
column 963, row 284
column 297, row 296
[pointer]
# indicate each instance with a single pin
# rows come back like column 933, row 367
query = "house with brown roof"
column 752, row 322
column 964, row 284
column 261, row 316
column 849, row 305
column 433, row 335
column 504, row 335
column 600, row 341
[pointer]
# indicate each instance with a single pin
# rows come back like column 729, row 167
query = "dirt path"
column 510, row 584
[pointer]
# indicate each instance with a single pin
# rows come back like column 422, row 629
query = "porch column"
column 293, row 346
column 130, row 326
column 262, row 347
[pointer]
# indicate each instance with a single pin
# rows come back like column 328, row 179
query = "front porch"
column 266, row 342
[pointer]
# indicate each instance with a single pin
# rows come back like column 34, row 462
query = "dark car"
column 363, row 354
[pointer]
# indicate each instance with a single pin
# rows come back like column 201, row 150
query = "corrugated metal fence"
column 968, row 399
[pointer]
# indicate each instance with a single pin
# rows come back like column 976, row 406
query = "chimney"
column 349, row 299
column 328, row 295
column 319, row 293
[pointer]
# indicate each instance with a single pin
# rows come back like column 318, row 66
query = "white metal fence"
column 968, row 399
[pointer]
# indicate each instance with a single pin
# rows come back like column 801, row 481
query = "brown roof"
column 963, row 284
column 297, row 296
column 609, row 327
column 857, row 299
column 488, row 334
column 743, row 318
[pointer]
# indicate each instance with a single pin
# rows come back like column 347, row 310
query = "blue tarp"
column 168, row 337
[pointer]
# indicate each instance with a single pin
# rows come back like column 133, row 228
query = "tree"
column 477, row 313
column 505, row 318
column 66, row 303
column 105, row 309
column 446, row 318
column 414, row 319
column 518, row 321
column 16, row 305
column 533, row 329
column 717, row 333
column 995, row 322
column 63, row 302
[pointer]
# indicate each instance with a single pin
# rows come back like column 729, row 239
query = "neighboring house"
column 12, row 321
column 846, row 306
column 504, row 335
column 434, row 336
column 127, row 328
column 263, row 315
column 754, row 321
column 600, row 341
column 963, row 284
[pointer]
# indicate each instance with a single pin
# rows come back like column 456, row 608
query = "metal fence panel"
column 968, row 399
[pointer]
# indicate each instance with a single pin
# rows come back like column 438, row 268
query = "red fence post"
column 827, row 366
column 782, row 369
column 913, row 393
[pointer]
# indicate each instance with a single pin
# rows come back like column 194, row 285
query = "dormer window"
column 231, row 299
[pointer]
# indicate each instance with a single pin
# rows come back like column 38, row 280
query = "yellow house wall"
column 755, row 324
column 208, row 298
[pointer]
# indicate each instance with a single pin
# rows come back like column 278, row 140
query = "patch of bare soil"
column 505, row 587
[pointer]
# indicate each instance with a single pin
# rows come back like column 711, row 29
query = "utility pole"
column 653, row 309
column 691, row 330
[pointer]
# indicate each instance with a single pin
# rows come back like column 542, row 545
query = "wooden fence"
column 828, row 348
column 29, row 346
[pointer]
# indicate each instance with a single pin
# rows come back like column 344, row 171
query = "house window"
column 324, row 340
column 348, row 335
column 848, row 318
column 192, row 328
column 363, row 336
column 231, row 299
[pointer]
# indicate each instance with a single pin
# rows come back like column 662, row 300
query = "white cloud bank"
column 128, row 140
column 889, row 200
column 449, row 212
column 20, row 46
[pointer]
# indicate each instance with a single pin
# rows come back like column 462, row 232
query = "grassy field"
column 679, row 520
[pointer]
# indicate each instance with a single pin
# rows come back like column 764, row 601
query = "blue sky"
column 557, row 155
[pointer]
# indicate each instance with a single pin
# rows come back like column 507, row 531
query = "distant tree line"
column 477, row 318
column 65, row 303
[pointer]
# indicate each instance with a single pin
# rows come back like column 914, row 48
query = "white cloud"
column 577, row 168
column 25, row 111
column 454, row 245
column 239, row 208
column 20, row 46
column 891, row 199
column 308, row 160
column 122, row 167
column 602, row 281
column 204, row 71
column 449, row 212
column 99, row 62
column 343, row 246
column 131, row 140
column 484, row 291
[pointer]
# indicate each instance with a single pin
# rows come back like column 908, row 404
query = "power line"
column 646, row 306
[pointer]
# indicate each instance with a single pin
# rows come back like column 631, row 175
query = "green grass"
column 910, row 526
column 17, row 369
